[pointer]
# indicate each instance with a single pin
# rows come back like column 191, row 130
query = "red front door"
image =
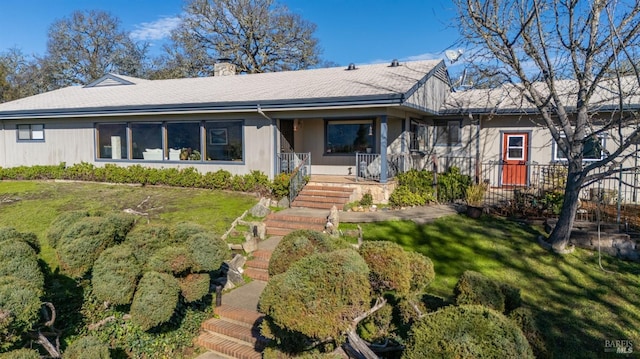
column 515, row 153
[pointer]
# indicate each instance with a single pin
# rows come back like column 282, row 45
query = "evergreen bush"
column 61, row 224
column 527, row 322
column 146, row 240
column 319, row 295
column 11, row 234
column 115, row 275
column 389, row 266
column 87, row 347
column 172, row 260
column 421, row 268
column 452, row 185
column 183, row 230
column 155, row 300
column 19, row 308
column 20, row 353
column 299, row 244
column 195, row 286
column 207, row 251
column 19, row 260
column 475, row 288
column 468, row 331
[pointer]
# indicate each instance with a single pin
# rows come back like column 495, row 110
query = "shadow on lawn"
column 578, row 306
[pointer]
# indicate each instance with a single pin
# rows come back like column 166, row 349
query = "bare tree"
column 256, row 35
column 565, row 57
column 20, row 76
column 89, row 44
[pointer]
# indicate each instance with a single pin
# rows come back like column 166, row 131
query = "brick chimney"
column 224, row 67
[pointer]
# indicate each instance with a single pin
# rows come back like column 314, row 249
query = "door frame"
column 527, row 160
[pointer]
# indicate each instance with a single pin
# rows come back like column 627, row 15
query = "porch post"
column 383, row 149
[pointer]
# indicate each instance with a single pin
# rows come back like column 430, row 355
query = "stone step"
column 324, row 194
column 314, row 186
column 227, row 347
column 317, row 205
column 292, row 218
column 315, row 225
column 321, row 198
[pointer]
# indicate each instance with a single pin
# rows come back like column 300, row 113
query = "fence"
column 535, row 190
column 369, row 165
column 288, row 161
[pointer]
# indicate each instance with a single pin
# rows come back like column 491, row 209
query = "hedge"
column 469, row 331
column 155, row 300
column 299, row 244
column 115, row 275
column 319, row 295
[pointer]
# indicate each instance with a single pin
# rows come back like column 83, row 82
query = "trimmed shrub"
column 61, row 224
column 182, row 231
column 405, row 197
column 11, row 234
column 319, row 295
column 19, row 260
column 421, row 268
column 475, row 288
column 512, row 298
column 299, row 244
column 389, row 266
column 526, row 321
column 119, row 224
column 155, row 300
column 87, row 347
column 19, row 308
column 452, row 185
column 21, row 354
column 468, row 331
column 220, row 179
column 115, row 275
column 173, row 259
column 146, row 240
column 194, row 286
column 280, row 186
column 207, row 251
column 377, row 326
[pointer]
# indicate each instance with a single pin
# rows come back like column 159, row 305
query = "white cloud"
column 425, row 56
column 155, row 30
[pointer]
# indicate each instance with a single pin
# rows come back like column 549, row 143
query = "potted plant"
column 474, row 196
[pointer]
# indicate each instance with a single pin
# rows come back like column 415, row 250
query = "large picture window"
column 448, row 133
column 146, row 141
column 183, row 141
column 592, row 151
column 224, row 141
column 349, row 136
column 112, row 140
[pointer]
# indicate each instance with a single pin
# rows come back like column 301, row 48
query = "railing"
column 298, row 176
column 288, row 161
column 536, row 190
column 369, row 165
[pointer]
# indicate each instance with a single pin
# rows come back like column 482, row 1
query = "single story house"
column 368, row 121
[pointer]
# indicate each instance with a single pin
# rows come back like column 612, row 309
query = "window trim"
column 448, row 124
column 31, row 132
column 603, row 144
column 371, row 121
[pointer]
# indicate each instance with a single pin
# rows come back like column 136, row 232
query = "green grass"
column 578, row 305
column 32, row 206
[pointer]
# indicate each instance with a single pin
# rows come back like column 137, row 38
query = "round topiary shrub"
column 115, row 275
column 11, row 234
column 299, row 244
column 19, row 260
column 207, row 251
column 468, row 331
column 61, row 224
column 19, row 308
column 526, row 320
column 319, row 295
column 421, row 268
column 389, row 266
column 475, row 288
column 146, row 240
column 194, row 286
column 172, row 259
column 21, row 354
column 88, row 347
column 155, row 300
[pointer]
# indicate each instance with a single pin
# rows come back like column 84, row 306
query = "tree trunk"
column 559, row 238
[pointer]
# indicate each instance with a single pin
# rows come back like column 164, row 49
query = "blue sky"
column 358, row 31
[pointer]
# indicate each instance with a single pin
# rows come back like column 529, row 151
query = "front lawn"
column 579, row 306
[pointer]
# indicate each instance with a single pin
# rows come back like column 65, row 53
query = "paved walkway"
column 248, row 295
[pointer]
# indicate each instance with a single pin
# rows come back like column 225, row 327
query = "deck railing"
column 369, row 165
column 288, row 161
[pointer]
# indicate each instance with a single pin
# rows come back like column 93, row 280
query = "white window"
column 30, row 132
column 448, row 133
column 592, row 151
